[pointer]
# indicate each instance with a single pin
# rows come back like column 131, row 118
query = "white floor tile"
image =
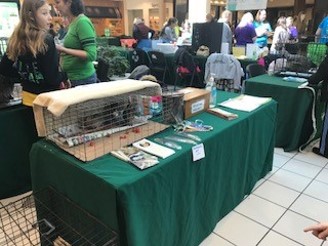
column 269, row 174
column 290, row 180
column 323, row 176
column 318, row 190
column 291, row 225
column 273, row 238
column 281, row 151
column 213, row 240
column 311, row 207
column 240, row 230
column 14, row 198
column 302, row 168
column 258, row 184
column 277, row 193
column 312, row 158
column 260, row 210
column 279, row 160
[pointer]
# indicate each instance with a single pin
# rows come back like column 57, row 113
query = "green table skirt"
column 178, row 201
column 294, row 117
column 18, row 133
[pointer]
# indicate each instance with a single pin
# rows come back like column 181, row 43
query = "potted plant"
column 117, row 62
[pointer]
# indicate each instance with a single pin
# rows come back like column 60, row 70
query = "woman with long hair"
column 245, row 31
column 168, row 34
column 262, row 27
column 79, row 48
column 280, row 36
column 31, row 53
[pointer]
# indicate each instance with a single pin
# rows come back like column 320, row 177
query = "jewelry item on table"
column 188, row 135
column 181, row 139
column 168, row 143
column 189, row 126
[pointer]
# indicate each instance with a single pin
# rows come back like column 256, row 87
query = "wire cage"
column 49, row 218
column 96, row 127
column 298, row 59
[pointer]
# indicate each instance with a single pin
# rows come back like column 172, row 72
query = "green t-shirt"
column 81, row 35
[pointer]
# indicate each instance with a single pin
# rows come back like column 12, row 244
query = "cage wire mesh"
column 96, row 127
column 298, row 59
column 49, row 218
column 3, row 46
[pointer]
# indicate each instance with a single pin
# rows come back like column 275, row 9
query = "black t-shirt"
column 37, row 74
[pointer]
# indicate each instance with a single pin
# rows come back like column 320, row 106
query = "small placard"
column 198, row 106
column 198, row 152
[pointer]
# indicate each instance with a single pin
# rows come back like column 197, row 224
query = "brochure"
column 153, row 148
column 135, row 156
column 245, row 102
column 222, row 113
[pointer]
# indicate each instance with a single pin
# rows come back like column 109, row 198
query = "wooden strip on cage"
column 99, row 147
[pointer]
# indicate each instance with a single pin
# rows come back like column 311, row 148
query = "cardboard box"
column 195, row 101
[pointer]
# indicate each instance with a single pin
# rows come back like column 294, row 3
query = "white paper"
column 197, row 106
column 198, row 152
column 153, row 148
column 245, row 102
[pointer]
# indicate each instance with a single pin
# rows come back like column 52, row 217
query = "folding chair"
column 254, row 69
column 102, row 70
column 186, row 67
column 138, row 57
column 157, row 64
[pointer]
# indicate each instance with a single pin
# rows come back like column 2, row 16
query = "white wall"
column 146, row 6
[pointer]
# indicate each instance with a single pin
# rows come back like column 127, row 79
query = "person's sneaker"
column 316, row 150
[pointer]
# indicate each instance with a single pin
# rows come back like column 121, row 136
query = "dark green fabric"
column 294, row 125
column 178, row 201
column 17, row 135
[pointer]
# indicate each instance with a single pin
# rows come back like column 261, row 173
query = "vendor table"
column 178, row 201
column 295, row 123
column 18, row 133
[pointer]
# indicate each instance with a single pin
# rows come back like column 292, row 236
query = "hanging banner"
column 234, row 5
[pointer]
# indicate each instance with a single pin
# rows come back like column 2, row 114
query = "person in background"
column 226, row 32
column 292, row 30
column 79, row 48
column 209, row 18
column 31, row 54
column 245, row 31
column 322, row 31
column 301, row 23
column 168, row 34
column 186, row 26
column 141, row 31
column 319, row 230
column 63, row 28
column 322, row 75
column 263, row 29
column 280, row 36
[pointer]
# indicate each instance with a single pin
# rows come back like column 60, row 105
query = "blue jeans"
column 90, row 80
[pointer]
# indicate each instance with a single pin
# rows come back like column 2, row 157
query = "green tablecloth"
column 178, row 201
column 18, row 133
column 294, row 125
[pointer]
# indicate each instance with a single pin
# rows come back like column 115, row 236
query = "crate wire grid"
column 49, row 218
column 93, row 128
column 298, row 57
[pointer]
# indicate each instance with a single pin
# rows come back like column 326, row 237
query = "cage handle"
column 47, row 223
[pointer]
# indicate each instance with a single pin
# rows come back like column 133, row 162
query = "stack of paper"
column 245, row 102
column 153, row 148
column 135, row 156
column 222, row 113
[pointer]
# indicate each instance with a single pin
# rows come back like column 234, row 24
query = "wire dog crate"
column 48, row 218
column 130, row 111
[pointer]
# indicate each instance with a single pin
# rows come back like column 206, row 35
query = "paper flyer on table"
column 153, row 148
column 245, row 102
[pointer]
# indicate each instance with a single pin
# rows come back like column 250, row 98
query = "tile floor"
column 291, row 197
